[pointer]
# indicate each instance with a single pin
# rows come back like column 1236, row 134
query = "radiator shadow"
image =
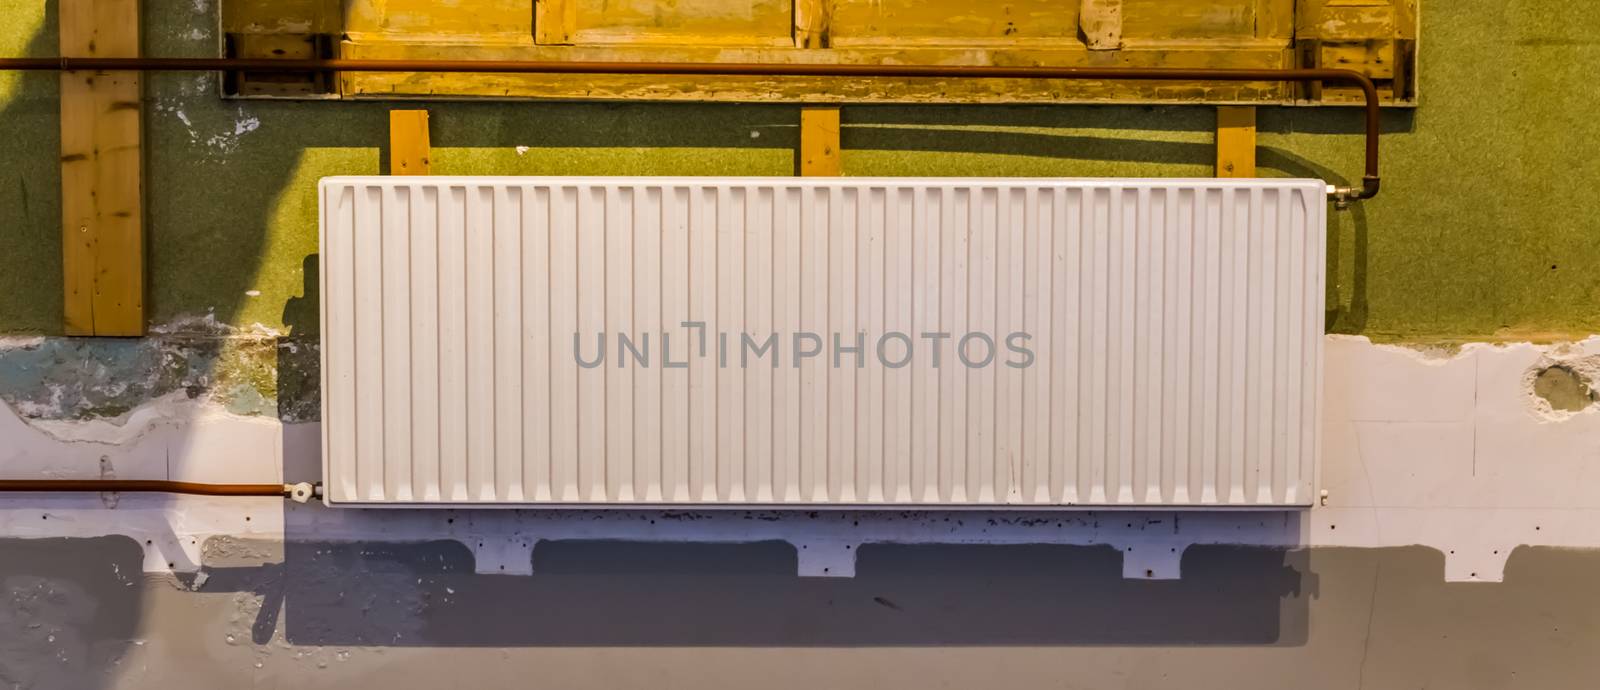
column 615, row 593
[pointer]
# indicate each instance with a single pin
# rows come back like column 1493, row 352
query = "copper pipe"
column 142, row 486
column 1368, row 189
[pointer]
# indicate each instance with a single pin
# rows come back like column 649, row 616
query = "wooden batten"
column 819, row 141
column 409, row 150
column 1236, row 141
column 102, row 205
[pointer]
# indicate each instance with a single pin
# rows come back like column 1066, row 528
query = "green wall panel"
column 1488, row 226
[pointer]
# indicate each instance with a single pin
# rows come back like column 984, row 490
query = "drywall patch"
column 1459, row 454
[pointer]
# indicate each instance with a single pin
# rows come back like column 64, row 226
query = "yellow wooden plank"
column 1207, row 20
column 811, row 22
column 409, row 151
column 954, row 22
column 487, row 21
column 1275, row 19
column 703, row 22
column 1101, row 21
column 102, row 209
column 554, row 21
column 1236, row 141
column 388, row 85
column 1239, row 34
column 1336, row 19
column 287, row 16
column 819, row 141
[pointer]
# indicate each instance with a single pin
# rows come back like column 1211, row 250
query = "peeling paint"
column 246, row 124
column 240, row 370
column 8, row 342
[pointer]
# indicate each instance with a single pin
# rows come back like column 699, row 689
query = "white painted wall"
column 1447, row 450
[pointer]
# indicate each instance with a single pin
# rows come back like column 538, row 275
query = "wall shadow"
column 71, row 609
column 77, row 612
column 622, row 593
column 30, row 195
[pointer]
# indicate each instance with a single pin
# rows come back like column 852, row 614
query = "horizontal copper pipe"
column 1368, row 189
column 140, row 486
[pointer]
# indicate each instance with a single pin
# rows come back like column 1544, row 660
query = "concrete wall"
column 1455, row 549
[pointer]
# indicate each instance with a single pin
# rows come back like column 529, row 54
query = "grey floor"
column 79, row 614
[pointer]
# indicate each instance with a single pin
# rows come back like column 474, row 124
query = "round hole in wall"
column 1564, row 388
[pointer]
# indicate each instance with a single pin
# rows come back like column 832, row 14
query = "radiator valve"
column 1342, row 196
column 300, row 493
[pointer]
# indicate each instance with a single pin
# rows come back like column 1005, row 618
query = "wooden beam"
column 819, row 141
column 554, row 22
column 811, row 23
column 1236, row 141
column 1101, row 22
column 102, row 205
column 409, row 152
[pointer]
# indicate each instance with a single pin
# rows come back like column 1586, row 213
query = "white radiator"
column 821, row 342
